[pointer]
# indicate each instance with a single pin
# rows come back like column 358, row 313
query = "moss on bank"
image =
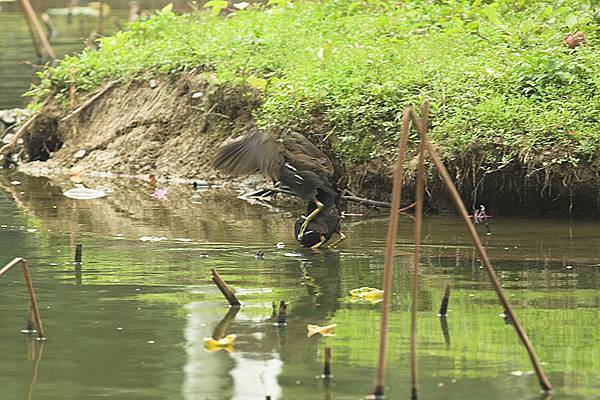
column 506, row 92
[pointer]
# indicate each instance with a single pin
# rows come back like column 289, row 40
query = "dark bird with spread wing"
column 301, row 168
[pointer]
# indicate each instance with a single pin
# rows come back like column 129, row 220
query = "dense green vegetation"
column 500, row 78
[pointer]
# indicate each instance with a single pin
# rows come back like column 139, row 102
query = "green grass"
column 500, row 79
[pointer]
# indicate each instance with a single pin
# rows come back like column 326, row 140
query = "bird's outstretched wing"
column 253, row 152
column 306, row 156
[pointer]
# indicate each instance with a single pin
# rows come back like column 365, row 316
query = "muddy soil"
column 171, row 126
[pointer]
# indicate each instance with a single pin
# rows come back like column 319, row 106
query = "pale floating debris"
column 150, row 342
column 80, row 153
column 569, row 266
column 292, row 254
column 84, row 194
column 517, row 373
column 197, row 95
column 15, row 183
column 152, row 238
column 31, row 230
column 323, row 330
column 185, row 240
column 280, row 245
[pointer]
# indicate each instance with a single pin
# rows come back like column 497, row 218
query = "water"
column 131, row 325
column 18, row 61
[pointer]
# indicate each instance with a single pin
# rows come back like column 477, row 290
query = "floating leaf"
column 367, row 294
column 84, row 194
column 323, row 330
column 225, row 343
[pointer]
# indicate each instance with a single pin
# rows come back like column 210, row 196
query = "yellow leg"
column 335, row 242
column 310, row 216
column 316, row 246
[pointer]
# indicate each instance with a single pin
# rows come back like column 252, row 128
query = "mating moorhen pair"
column 300, row 167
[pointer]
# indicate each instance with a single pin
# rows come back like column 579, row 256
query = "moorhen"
column 300, row 167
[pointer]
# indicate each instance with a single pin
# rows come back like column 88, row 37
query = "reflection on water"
column 132, row 325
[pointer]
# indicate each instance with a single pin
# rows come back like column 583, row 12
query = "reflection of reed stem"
column 281, row 315
column 445, row 331
column 38, row 350
column 327, row 366
column 221, row 328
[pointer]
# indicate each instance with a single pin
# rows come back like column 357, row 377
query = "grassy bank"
column 501, row 80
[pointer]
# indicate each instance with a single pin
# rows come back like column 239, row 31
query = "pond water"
column 131, row 324
column 18, row 60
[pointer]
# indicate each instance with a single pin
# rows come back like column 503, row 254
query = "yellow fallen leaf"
column 323, row 330
column 367, row 293
column 225, row 343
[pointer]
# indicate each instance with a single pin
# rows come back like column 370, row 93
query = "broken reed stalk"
column 92, row 99
column 445, row 330
column 30, row 14
column 327, row 363
column 389, row 256
column 227, row 292
column 78, row 253
column 281, row 315
column 543, row 380
column 418, row 227
column 32, row 299
column 444, row 306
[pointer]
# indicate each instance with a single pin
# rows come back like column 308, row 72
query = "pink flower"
column 160, row 194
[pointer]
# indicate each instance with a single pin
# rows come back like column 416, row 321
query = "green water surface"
column 131, row 324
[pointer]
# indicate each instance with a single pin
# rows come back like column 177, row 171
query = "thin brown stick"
column 544, row 382
column 389, row 255
column 22, row 129
column 26, row 6
column 228, row 293
column 418, row 227
column 368, row 202
column 36, row 44
column 92, row 99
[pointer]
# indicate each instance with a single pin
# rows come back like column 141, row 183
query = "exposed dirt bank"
column 171, row 126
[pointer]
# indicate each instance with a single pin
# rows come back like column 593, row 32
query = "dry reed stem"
column 389, row 255
column 544, row 382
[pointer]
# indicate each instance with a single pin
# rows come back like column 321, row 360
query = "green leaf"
column 216, row 6
column 257, row 83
